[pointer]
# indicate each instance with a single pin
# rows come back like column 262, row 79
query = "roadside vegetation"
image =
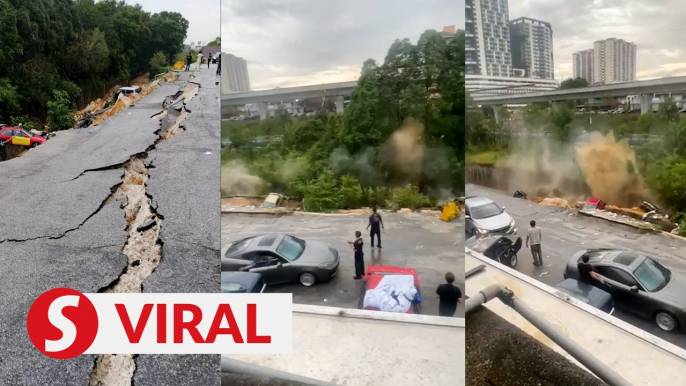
column 660, row 150
column 59, row 55
column 400, row 142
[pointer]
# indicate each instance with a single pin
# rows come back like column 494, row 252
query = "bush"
column 60, row 116
column 158, row 63
column 409, row 196
column 322, row 194
column 74, row 93
column 351, row 192
column 29, row 123
column 376, row 197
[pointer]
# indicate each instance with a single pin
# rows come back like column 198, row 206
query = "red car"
column 374, row 275
column 20, row 137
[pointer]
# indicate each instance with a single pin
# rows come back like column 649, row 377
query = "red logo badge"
column 62, row 323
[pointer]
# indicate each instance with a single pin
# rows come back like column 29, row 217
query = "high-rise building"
column 531, row 44
column 234, row 77
column 448, row 33
column 487, row 38
column 583, row 65
column 614, row 60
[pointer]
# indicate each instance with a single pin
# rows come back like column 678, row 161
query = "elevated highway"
column 645, row 88
column 263, row 97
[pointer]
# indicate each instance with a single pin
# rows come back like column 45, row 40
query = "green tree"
column 561, row 118
column 669, row 110
column 158, row 63
column 168, row 31
column 573, row 83
column 60, row 116
column 216, row 42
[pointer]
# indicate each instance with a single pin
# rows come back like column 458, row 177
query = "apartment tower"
column 531, row 43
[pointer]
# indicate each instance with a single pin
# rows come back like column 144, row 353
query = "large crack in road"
column 144, row 247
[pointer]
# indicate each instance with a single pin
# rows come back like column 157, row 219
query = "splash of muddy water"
column 603, row 167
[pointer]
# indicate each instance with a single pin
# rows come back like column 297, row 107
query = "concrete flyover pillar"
column 339, row 104
column 496, row 113
column 264, row 110
column 646, row 103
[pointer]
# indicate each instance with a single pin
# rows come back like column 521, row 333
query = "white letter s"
column 62, row 323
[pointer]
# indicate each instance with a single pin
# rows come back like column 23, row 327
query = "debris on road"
column 147, row 225
column 450, row 212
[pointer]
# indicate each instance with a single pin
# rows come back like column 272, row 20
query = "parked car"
column 20, row 137
column 638, row 284
column 502, row 249
column 127, row 91
column 242, row 282
column 373, row 277
column 282, row 258
column 483, row 216
column 587, row 293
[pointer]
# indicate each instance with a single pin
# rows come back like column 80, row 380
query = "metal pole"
column 239, row 367
column 598, row 368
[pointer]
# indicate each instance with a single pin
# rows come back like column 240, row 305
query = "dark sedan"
column 588, row 294
column 282, row 258
column 242, row 283
column 638, row 284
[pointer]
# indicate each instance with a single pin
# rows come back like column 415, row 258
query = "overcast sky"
column 204, row 16
column 658, row 28
column 300, row 42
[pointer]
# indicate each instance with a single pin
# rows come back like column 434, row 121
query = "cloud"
column 203, row 16
column 657, row 29
column 300, row 42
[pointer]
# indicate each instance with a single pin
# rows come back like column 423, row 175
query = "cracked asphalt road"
column 424, row 243
column 57, row 231
column 565, row 234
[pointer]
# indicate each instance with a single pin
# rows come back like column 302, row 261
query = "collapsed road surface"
column 564, row 234
column 412, row 240
column 126, row 206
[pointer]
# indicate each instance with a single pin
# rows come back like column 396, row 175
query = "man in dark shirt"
column 449, row 296
column 586, row 272
column 189, row 60
column 376, row 223
column 359, row 255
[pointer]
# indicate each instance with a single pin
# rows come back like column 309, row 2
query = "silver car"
column 282, row 258
column 483, row 216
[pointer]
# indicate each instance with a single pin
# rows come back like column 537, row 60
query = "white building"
column 583, row 65
column 487, row 36
column 614, row 60
column 234, row 77
column 531, row 43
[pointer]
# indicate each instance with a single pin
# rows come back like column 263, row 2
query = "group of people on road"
column 189, row 61
column 449, row 294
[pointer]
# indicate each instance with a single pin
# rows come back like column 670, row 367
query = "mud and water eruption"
column 602, row 167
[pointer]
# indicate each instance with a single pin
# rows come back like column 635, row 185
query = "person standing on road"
column 376, row 223
column 209, row 59
column 359, row 255
column 533, row 238
column 189, row 60
column 449, row 295
column 219, row 64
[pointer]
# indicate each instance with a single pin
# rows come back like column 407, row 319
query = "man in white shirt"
column 533, row 238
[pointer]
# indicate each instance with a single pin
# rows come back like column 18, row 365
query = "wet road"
column 564, row 234
column 424, row 243
column 62, row 226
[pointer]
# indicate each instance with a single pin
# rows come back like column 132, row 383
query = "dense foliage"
column 79, row 47
column 341, row 161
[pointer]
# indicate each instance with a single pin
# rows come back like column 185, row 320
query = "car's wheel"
column 513, row 260
column 34, row 144
column 666, row 321
column 308, row 279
